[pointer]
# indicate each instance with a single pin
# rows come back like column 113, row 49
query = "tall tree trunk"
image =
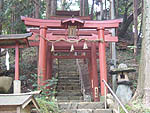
column 53, row 7
column 84, row 8
column 81, row 7
column 105, row 17
column 86, row 11
column 116, row 7
column 48, row 9
column 100, row 13
column 135, row 15
column 63, row 4
column 1, row 12
column 37, row 8
column 92, row 10
column 144, row 74
column 1, row 19
column 13, row 19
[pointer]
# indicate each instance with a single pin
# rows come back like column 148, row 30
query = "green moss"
column 47, row 106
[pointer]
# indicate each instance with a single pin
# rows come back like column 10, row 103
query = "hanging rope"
column 85, row 46
column 69, row 41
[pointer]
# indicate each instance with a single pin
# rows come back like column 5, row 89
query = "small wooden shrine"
column 17, row 103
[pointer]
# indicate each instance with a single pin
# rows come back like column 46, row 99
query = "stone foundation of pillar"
column 17, row 86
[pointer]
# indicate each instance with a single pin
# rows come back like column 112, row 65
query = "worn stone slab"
column 68, row 98
column 68, row 105
column 86, row 111
column 68, row 93
column 102, row 111
column 90, row 105
column 81, row 105
column 60, row 87
column 68, row 111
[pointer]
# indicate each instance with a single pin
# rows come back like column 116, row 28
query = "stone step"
column 68, row 78
column 68, row 73
column 67, row 87
column 67, row 69
column 68, row 98
column 68, row 64
column 86, row 111
column 69, row 93
column 71, row 100
column 68, row 81
column 81, row 105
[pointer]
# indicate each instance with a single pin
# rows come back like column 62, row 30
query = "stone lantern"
column 123, row 90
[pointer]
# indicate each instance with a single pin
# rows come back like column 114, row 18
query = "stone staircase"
column 68, row 87
column 69, row 96
column 82, row 107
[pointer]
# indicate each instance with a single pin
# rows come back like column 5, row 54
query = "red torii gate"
column 94, row 33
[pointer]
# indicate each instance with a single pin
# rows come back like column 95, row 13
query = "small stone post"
column 17, row 86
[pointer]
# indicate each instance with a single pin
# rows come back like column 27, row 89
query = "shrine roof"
column 73, row 20
column 11, row 39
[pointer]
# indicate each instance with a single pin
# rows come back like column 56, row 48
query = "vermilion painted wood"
column 73, row 21
column 62, row 50
column 70, row 57
column 49, row 63
column 94, row 77
column 42, row 58
column 13, row 46
column 51, row 37
column 102, row 60
column 83, row 32
column 58, row 24
column 62, row 31
column 90, row 72
column 17, row 61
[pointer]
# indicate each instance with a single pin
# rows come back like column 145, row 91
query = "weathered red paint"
column 42, row 57
column 58, row 23
column 94, row 77
column 70, row 57
column 102, row 59
column 17, row 61
column 49, row 63
column 62, row 32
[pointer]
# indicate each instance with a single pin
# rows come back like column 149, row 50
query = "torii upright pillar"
column 49, row 63
column 94, row 76
column 42, row 57
column 102, row 59
column 17, row 82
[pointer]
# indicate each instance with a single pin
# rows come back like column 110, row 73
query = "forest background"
column 133, row 31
